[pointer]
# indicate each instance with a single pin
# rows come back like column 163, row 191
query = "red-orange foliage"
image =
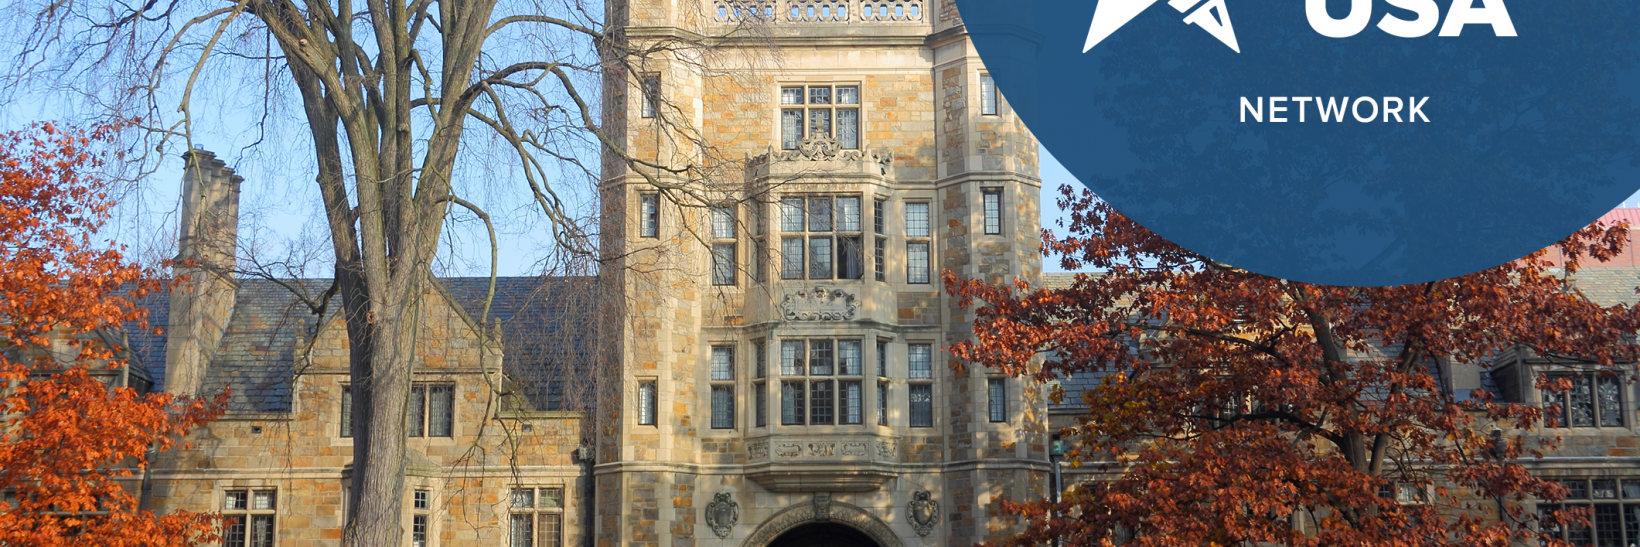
column 68, row 441
column 1233, row 400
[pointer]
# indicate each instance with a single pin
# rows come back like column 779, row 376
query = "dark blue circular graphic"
column 1343, row 142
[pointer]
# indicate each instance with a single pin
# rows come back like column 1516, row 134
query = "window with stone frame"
column 649, row 215
column 821, row 382
column 723, row 387
column 536, row 517
column 879, row 255
column 1615, row 512
column 920, row 385
column 917, row 243
column 421, row 504
column 987, row 95
column 992, row 204
column 820, row 111
column 647, row 402
column 347, row 412
column 431, row 413
column 432, row 410
column 760, row 374
column 1594, row 400
column 821, row 237
column 650, row 88
column 760, row 242
column 996, row 394
column 882, row 402
column 882, row 382
column 250, row 517
column 725, row 268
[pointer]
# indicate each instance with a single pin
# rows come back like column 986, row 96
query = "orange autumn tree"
column 69, row 443
column 1237, row 409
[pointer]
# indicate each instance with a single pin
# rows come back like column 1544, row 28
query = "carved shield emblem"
column 923, row 511
column 722, row 514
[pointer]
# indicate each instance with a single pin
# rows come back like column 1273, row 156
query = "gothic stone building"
column 769, row 370
column 780, row 377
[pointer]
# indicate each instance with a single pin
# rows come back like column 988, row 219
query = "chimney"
column 202, row 300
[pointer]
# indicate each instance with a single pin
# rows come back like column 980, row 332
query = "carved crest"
column 757, row 450
column 885, row 449
column 822, row 449
column 823, row 149
column 722, row 514
column 819, row 304
column 822, row 507
column 818, row 149
column 923, row 511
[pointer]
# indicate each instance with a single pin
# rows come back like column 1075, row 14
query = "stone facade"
column 924, row 140
column 691, row 433
column 302, row 454
column 498, row 408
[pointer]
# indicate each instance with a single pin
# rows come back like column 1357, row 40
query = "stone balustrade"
column 818, row 11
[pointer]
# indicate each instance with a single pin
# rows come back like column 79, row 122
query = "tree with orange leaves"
column 69, row 442
column 1232, row 408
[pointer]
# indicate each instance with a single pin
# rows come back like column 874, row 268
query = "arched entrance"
column 820, row 534
column 822, row 522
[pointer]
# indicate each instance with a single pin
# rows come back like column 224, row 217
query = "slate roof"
column 1609, row 286
column 544, row 322
column 547, row 331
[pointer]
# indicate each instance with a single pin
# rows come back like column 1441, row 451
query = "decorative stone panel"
column 819, row 304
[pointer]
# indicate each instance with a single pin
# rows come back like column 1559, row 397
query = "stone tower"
column 774, row 319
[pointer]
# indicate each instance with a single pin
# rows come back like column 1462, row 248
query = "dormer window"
column 1594, row 401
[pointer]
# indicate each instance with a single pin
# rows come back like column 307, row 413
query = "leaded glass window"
column 1594, row 400
column 922, row 405
column 829, row 384
column 820, row 112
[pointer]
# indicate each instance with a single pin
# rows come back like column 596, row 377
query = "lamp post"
column 1056, row 451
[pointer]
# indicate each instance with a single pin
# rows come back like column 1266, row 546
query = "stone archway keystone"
column 822, row 509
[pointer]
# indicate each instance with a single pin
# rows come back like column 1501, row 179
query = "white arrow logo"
column 1112, row 14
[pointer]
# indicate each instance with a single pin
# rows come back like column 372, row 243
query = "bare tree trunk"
column 386, row 88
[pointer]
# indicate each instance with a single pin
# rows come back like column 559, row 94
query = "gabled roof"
column 546, row 324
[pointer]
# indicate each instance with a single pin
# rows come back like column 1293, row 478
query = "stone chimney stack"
column 202, row 300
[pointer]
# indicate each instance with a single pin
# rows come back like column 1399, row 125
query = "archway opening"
column 823, row 534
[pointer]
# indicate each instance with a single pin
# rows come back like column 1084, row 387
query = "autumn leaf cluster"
column 70, row 442
column 1231, row 408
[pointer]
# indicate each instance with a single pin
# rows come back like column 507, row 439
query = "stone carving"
column 757, row 450
column 822, row 449
column 722, row 514
column 854, row 449
column 822, row 149
column 819, row 304
column 816, row 149
column 788, row 450
column 822, row 507
column 836, row 511
column 885, row 449
column 923, row 512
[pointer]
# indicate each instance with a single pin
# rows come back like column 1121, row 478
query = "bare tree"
column 386, row 91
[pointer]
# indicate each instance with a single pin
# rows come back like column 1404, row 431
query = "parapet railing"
column 819, row 11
